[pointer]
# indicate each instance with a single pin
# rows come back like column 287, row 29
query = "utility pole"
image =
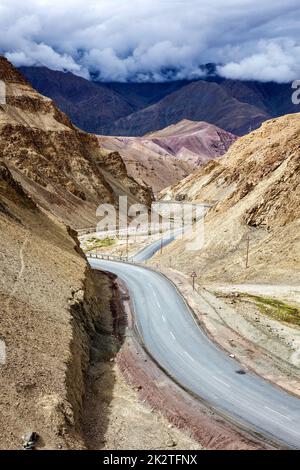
column 127, row 247
column 161, row 229
column 193, row 276
column 247, row 251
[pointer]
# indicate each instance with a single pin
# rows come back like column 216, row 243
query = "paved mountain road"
column 178, row 344
column 150, row 250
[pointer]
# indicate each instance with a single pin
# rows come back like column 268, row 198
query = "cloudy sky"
column 140, row 40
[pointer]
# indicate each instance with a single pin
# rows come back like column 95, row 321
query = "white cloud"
column 271, row 62
column 151, row 39
column 32, row 54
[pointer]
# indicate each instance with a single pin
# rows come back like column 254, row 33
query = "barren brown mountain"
column 255, row 192
column 52, row 305
column 62, row 167
column 165, row 157
column 194, row 142
column 147, row 162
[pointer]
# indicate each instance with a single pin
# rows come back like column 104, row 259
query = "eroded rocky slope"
column 62, row 167
column 147, row 162
column 255, row 193
column 52, row 306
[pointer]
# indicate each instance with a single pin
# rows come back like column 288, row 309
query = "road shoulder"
column 259, row 343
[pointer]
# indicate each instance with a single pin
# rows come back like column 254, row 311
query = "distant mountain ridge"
column 134, row 109
column 165, row 157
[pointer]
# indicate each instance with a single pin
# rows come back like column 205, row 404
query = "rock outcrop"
column 62, row 167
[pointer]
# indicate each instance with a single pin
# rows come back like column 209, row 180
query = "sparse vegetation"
column 94, row 243
column 276, row 309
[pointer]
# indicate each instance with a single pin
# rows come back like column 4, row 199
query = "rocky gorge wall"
column 52, row 309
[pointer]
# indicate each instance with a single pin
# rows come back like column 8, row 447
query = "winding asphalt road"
column 182, row 349
column 150, row 250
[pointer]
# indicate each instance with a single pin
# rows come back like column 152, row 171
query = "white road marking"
column 221, row 381
column 172, row 335
column 163, row 318
column 277, row 412
column 190, row 357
